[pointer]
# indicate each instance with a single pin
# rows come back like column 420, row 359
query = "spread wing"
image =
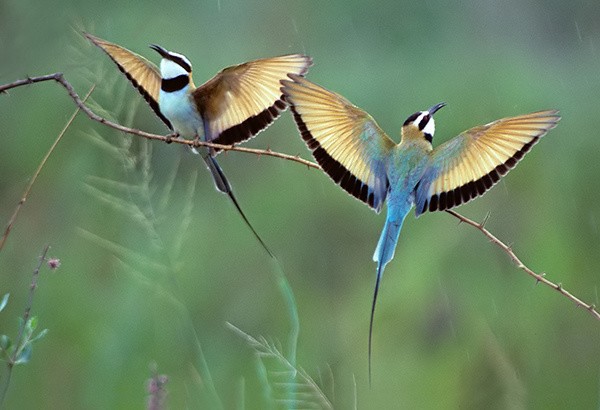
column 346, row 141
column 242, row 100
column 471, row 163
column 144, row 75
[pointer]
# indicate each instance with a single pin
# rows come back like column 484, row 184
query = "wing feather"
column 471, row 163
column 346, row 141
column 242, row 100
column 144, row 75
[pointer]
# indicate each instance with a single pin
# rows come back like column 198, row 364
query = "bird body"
column 175, row 97
column 232, row 107
column 405, row 165
column 353, row 150
column 179, row 109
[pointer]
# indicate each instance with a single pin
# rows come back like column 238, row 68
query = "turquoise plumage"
column 352, row 149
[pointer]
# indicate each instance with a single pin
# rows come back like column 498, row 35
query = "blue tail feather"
column 383, row 254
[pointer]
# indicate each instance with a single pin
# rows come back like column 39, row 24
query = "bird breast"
column 180, row 110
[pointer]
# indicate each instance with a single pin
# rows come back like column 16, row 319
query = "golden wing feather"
column 346, row 141
column 470, row 164
column 242, row 100
column 144, row 75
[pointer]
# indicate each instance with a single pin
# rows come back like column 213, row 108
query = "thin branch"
column 58, row 77
column 27, row 312
column 538, row 277
column 15, row 214
column 19, row 342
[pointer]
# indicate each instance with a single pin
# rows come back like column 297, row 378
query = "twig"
column 32, row 288
column 19, row 345
column 13, row 218
column 58, row 77
column 538, row 277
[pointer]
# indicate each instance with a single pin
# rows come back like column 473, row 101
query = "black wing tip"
column 472, row 189
column 251, row 126
column 334, row 169
column 147, row 97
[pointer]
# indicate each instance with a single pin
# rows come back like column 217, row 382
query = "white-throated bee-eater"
column 352, row 149
column 232, row 107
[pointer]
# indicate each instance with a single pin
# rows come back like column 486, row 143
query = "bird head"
column 421, row 124
column 172, row 65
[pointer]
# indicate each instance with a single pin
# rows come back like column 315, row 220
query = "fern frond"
column 291, row 386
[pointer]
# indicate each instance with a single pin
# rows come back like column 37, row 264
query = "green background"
column 457, row 324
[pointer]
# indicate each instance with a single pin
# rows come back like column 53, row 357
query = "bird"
column 235, row 105
column 361, row 158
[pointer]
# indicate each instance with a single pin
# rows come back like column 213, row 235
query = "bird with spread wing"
column 232, row 107
column 358, row 155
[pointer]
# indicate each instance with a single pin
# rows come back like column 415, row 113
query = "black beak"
column 436, row 107
column 164, row 53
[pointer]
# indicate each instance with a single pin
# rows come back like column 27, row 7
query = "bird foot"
column 170, row 137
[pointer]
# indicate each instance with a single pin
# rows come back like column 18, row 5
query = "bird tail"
column 387, row 242
column 222, row 185
column 383, row 254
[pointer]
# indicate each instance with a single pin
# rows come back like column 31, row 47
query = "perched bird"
column 232, row 107
column 352, row 149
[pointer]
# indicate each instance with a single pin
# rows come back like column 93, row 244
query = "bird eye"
column 181, row 61
column 412, row 118
column 424, row 121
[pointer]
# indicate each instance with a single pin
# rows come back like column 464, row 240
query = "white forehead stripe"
column 170, row 69
column 417, row 121
column 181, row 56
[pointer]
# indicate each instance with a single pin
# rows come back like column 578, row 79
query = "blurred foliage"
column 457, row 324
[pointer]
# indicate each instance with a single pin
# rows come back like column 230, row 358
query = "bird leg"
column 170, row 137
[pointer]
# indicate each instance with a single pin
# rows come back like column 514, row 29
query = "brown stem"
column 13, row 217
column 58, row 77
column 538, row 277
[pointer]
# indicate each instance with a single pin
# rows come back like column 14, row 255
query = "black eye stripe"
column 180, row 61
column 424, row 121
column 412, row 118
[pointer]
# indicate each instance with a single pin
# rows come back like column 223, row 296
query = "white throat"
column 430, row 126
column 170, row 69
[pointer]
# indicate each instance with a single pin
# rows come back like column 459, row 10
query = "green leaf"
column 5, row 343
column 29, row 328
column 32, row 323
column 24, row 355
column 39, row 335
column 4, row 301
